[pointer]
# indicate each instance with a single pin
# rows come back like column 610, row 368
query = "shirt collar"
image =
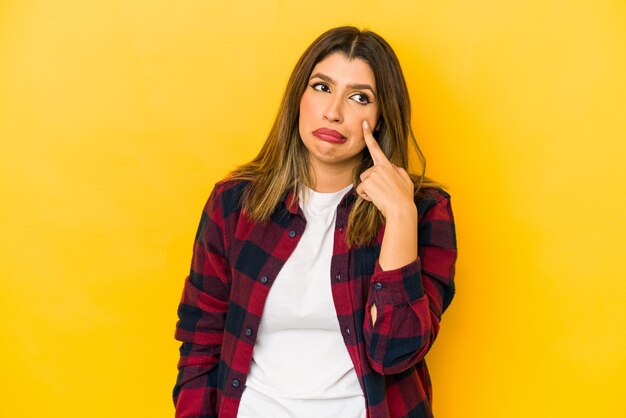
column 292, row 203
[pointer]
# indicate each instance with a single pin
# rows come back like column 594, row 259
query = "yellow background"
column 117, row 117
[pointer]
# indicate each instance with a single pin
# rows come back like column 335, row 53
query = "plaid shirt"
column 235, row 261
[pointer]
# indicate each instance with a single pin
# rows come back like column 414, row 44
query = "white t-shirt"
column 300, row 365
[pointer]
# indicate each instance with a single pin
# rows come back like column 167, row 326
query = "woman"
column 321, row 268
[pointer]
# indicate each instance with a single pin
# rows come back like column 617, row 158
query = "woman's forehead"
column 344, row 71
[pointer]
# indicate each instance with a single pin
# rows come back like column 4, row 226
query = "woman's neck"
column 330, row 179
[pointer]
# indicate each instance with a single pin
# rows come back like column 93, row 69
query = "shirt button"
column 248, row 332
column 378, row 285
column 264, row 279
column 236, row 383
column 292, row 233
column 348, row 331
column 338, row 277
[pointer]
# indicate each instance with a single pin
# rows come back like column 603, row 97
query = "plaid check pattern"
column 234, row 263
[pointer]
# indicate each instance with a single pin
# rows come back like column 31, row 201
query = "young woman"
column 321, row 268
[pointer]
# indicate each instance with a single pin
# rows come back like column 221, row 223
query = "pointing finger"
column 378, row 156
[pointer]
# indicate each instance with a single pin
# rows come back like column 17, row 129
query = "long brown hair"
column 283, row 163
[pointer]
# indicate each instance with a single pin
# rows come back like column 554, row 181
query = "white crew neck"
column 318, row 202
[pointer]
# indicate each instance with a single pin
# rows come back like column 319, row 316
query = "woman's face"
column 341, row 94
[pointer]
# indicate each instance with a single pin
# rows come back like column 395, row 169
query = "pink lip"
column 329, row 135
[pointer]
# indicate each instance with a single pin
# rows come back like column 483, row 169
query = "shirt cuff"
column 398, row 286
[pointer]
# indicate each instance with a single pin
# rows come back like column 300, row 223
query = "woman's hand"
column 387, row 186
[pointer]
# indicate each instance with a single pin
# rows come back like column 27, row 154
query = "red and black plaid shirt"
column 235, row 261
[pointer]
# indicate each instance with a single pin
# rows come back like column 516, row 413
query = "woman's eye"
column 320, row 87
column 361, row 98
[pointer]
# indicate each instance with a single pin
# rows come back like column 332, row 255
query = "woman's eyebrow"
column 356, row 86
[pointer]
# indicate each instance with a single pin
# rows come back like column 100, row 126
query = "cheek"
column 372, row 115
column 307, row 107
column 358, row 115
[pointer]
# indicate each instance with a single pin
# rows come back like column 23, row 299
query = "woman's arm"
column 411, row 299
column 390, row 189
column 399, row 246
column 410, row 287
column 201, row 313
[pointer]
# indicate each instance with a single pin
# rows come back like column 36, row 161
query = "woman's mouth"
column 329, row 135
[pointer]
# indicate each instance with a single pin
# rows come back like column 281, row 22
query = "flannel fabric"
column 234, row 264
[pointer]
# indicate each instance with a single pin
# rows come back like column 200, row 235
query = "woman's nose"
column 333, row 112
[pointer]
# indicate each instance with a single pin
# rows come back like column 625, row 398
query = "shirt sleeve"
column 410, row 300
column 201, row 314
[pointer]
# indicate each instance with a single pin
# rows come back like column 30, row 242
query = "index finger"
column 378, row 156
